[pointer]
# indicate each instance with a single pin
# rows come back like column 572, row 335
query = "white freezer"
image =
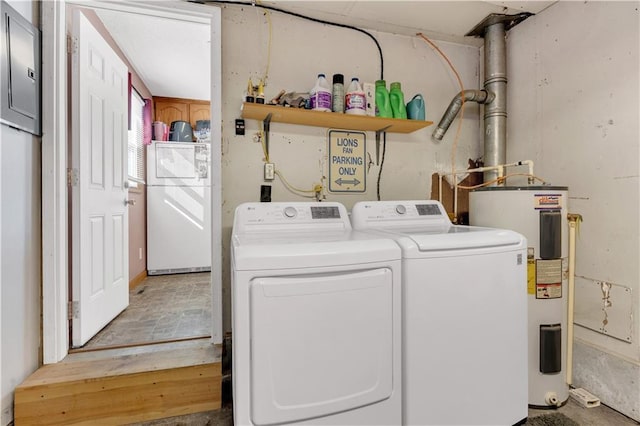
column 178, row 208
column 178, row 164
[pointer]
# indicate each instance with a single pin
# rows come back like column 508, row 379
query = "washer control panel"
column 380, row 214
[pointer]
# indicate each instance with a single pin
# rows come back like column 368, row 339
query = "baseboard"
column 610, row 378
column 6, row 416
column 137, row 279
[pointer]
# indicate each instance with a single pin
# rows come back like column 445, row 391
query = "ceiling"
column 441, row 20
column 172, row 57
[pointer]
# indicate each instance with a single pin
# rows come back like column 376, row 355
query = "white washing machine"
column 316, row 318
column 464, row 315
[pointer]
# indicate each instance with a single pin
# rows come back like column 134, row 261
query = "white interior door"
column 100, row 269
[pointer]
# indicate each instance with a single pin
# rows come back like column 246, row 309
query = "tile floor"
column 162, row 307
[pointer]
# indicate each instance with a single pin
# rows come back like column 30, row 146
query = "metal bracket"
column 378, row 143
column 72, row 177
column 266, row 124
column 509, row 22
column 73, row 310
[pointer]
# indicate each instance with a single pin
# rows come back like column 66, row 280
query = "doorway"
column 170, row 307
column 55, row 280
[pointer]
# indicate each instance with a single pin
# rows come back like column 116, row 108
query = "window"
column 136, row 145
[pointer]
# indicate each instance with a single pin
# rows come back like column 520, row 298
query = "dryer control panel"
column 427, row 214
column 290, row 216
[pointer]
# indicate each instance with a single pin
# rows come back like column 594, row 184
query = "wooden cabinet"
column 176, row 109
column 199, row 112
column 169, row 110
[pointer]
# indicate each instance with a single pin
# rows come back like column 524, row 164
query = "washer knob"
column 400, row 209
column 290, row 212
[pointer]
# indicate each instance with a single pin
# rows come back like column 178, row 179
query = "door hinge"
column 72, row 177
column 73, row 309
column 72, row 45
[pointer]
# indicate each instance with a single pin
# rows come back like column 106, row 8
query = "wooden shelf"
column 330, row 120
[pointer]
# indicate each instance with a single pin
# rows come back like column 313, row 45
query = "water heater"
column 540, row 214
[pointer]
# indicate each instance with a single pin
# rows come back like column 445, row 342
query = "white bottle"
column 320, row 95
column 355, row 101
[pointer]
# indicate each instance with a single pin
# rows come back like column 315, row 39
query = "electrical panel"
column 20, row 71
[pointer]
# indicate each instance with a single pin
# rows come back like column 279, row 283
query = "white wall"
column 20, row 244
column 573, row 109
column 299, row 51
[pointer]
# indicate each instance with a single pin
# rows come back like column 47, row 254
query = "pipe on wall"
column 495, row 112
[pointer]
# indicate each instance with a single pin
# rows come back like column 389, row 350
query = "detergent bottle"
column 320, row 95
column 415, row 108
column 396, row 97
column 355, row 99
column 383, row 104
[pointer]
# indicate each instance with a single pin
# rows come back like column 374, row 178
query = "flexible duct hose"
column 471, row 95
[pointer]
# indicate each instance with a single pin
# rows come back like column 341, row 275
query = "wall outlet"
column 370, row 94
column 265, row 193
column 269, row 171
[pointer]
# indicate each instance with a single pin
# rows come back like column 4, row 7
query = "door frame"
column 55, row 229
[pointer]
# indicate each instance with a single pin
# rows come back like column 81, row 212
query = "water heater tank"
column 540, row 214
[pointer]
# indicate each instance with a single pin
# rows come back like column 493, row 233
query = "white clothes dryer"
column 316, row 318
column 464, row 315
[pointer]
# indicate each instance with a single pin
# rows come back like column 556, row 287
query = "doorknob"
column 129, row 202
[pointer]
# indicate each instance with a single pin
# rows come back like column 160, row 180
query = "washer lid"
column 461, row 237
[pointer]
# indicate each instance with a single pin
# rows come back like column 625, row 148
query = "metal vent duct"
column 493, row 28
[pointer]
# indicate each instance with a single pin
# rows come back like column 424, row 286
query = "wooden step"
column 122, row 386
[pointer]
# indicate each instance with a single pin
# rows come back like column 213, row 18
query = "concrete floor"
column 175, row 306
column 598, row 416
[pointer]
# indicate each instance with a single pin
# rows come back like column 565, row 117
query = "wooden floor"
column 122, row 387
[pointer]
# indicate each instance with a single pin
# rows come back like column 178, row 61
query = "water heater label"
column 547, row 201
column 531, row 271
column 549, row 279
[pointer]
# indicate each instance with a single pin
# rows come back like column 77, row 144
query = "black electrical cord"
column 297, row 15
column 384, row 151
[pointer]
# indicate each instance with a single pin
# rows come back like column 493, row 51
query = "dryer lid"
column 310, row 250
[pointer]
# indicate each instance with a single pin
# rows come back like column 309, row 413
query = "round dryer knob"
column 290, row 212
column 400, row 209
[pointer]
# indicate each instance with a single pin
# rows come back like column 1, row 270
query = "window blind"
column 136, row 142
